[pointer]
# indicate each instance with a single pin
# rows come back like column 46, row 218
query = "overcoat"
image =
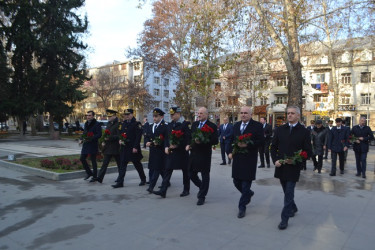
column 112, row 146
column 157, row 154
column 285, row 144
column 319, row 138
column 200, row 157
column 133, row 130
column 91, row 147
column 367, row 135
column 338, row 139
column 244, row 166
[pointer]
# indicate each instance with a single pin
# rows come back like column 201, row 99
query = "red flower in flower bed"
column 47, row 164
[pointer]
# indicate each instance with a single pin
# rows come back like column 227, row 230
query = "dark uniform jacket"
column 228, row 133
column 91, row 147
column 244, row 165
column 157, row 152
column 112, row 146
column 200, row 157
column 367, row 135
column 319, row 138
column 179, row 157
column 267, row 130
column 284, row 144
column 133, row 130
column 338, row 139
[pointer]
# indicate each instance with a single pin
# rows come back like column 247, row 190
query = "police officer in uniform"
column 177, row 157
column 110, row 145
column 155, row 137
column 131, row 151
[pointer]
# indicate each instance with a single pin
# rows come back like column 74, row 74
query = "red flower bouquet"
column 244, row 140
column 87, row 137
column 176, row 137
column 353, row 139
column 298, row 157
column 202, row 135
column 158, row 140
column 123, row 139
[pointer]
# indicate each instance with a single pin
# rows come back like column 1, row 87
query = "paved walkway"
column 334, row 213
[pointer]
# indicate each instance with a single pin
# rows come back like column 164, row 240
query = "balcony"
column 323, row 87
column 279, row 90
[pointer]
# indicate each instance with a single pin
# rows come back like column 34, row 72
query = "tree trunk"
column 32, row 122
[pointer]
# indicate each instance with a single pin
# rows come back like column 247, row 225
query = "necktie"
column 290, row 129
column 200, row 124
column 243, row 127
column 225, row 127
column 155, row 126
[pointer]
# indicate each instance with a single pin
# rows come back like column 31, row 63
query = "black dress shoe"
column 223, row 163
column 99, row 180
column 251, row 195
column 229, row 161
column 142, row 183
column 147, row 182
column 118, row 185
column 93, row 179
column 184, row 193
column 342, row 172
column 241, row 214
column 149, row 190
column 260, row 166
column 332, row 174
column 200, row 201
column 283, row 225
column 87, row 176
column 294, row 212
column 162, row 194
column 364, row 176
column 358, row 175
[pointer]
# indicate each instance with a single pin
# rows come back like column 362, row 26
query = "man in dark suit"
column 361, row 146
column 287, row 140
column 130, row 150
column 200, row 157
column 312, row 126
column 91, row 134
column 264, row 150
column 226, row 137
column 329, row 127
column 337, row 145
column 176, row 155
column 155, row 140
column 245, row 164
column 145, row 128
column 110, row 145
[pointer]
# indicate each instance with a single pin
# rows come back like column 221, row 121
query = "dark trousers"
column 318, row 163
column 225, row 147
column 106, row 160
column 289, row 204
column 167, row 178
column 122, row 170
column 334, row 160
column 203, row 184
column 326, row 153
column 155, row 176
column 86, row 167
column 360, row 160
column 264, row 150
column 245, row 189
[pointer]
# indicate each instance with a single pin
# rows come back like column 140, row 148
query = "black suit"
column 264, row 149
column 200, row 160
column 286, row 143
column 337, row 140
column 361, row 149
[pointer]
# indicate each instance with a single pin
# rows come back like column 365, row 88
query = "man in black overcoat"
column 245, row 164
column 110, row 145
column 131, row 149
column 155, row 140
column 90, row 145
column 264, row 150
column 287, row 140
column 361, row 146
column 226, row 138
column 200, row 156
column 176, row 155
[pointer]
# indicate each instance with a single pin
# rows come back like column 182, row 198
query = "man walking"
column 287, row 141
column 264, row 150
column 91, row 134
column 363, row 134
column 337, row 145
column 110, row 146
column 329, row 127
column 226, row 137
column 245, row 161
column 201, row 152
column 145, row 128
column 130, row 149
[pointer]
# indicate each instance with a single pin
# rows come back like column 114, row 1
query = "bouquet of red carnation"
column 158, row 140
column 176, row 137
column 202, row 135
column 87, row 137
column 298, row 157
column 353, row 139
column 244, row 139
column 123, row 139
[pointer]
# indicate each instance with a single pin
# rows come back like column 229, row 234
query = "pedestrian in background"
column 226, row 138
column 319, row 138
column 337, row 145
column 264, row 150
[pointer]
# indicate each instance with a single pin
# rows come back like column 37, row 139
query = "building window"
column 157, row 104
column 365, row 99
column 365, row 77
column 157, row 80
column 263, row 84
column 263, row 100
column 166, row 105
column 157, row 92
column 166, row 82
column 217, row 103
column 248, row 84
column 346, row 78
column 281, row 81
column 345, row 99
column 166, row 93
column 320, row 78
column 218, row 86
column 281, row 99
column 137, row 66
column 249, row 101
column 321, row 98
column 232, row 100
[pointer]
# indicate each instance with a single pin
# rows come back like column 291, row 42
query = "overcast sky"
column 113, row 26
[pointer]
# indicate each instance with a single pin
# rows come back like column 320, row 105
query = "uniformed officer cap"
column 128, row 111
column 318, row 122
column 158, row 111
column 174, row 110
column 338, row 120
column 111, row 112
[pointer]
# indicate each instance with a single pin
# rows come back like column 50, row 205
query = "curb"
column 58, row 176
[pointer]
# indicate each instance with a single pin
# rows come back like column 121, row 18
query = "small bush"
column 47, row 164
column 59, row 161
column 66, row 164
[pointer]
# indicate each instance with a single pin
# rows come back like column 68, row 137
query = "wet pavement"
column 35, row 213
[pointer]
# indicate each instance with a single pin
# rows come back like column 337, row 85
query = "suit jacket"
column 244, row 166
column 285, row 144
column 228, row 133
column 338, row 139
column 91, row 147
column 200, row 157
column 133, row 130
column 157, row 155
column 267, row 130
column 367, row 135
column 112, row 146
